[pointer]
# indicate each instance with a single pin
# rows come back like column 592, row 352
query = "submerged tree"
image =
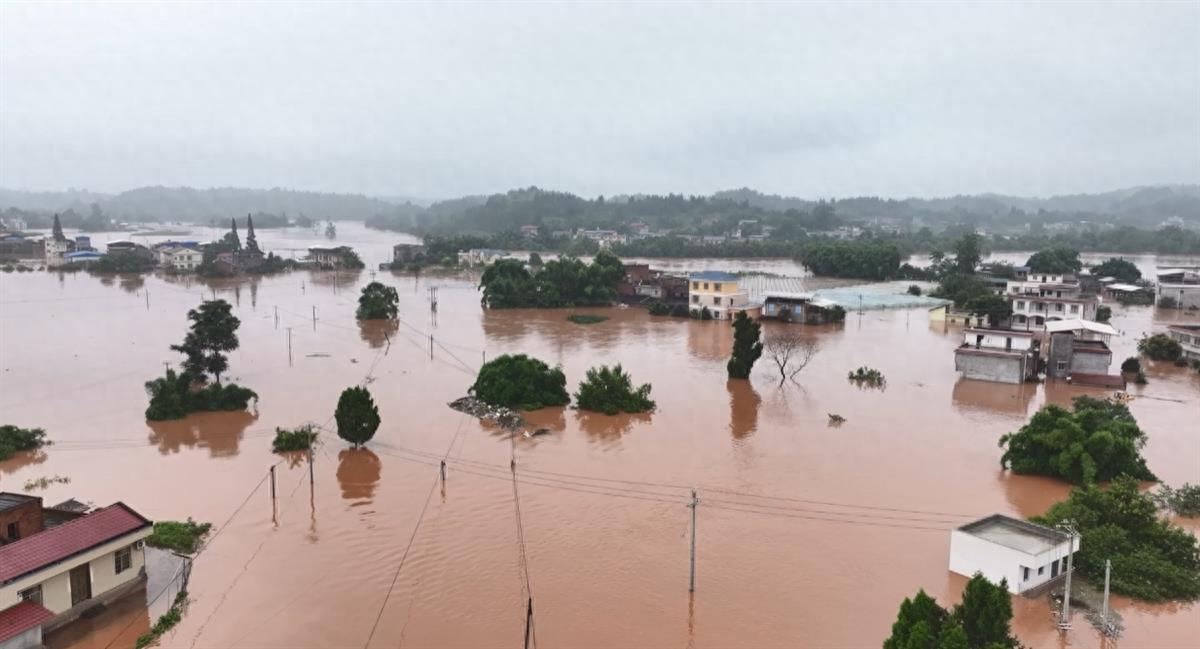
column 231, row 238
column 746, row 346
column 520, row 381
column 1118, row 268
column 56, row 230
column 791, row 352
column 967, row 253
column 610, row 391
column 991, row 306
column 1059, row 259
column 378, row 302
column 251, row 238
column 357, row 416
column 213, row 332
column 981, row 621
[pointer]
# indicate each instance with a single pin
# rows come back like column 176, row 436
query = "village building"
column 720, row 293
column 1000, row 355
column 947, row 314
column 15, row 246
column 82, row 257
column 181, row 259
column 1079, row 351
column 480, row 256
column 1120, row 291
column 1044, row 297
column 797, row 307
column 604, row 237
column 1188, row 337
column 63, row 564
column 1025, row 555
column 529, row 231
column 55, row 251
column 1182, row 285
column 407, row 253
column 641, row 284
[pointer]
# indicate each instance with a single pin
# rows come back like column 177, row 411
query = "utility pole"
column 443, row 472
column 277, row 317
column 1064, row 622
column 314, row 317
column 692, row 573
column 1105, row 623
column 289, row 330
column 430, row 346
column 147, row 299
column 528, row 620
column 433, row 298
column 310, row 464
column 272, row 492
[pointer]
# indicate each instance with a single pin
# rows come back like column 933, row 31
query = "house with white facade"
column 55, row 251
column 1001, row 355
column 480, row 256
column 719, row 292
column 1188, row 337
column 1043, row 297
column 51, row 574
column 1079, row 350
column 181, row 259
column 1180, row 285
column 1023, row 554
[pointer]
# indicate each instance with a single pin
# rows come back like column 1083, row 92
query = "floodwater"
column 807, row 534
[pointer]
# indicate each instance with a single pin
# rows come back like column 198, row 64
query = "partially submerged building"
column 1181, row 285
column 1045, row 297
column 798, row 307
column 719, row 292
column 1079, row 351
column 1001, row 355
column 57, row 564
column 1024, row 554
column 1188, row 337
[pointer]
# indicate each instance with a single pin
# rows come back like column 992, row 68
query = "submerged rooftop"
column 1016, row 534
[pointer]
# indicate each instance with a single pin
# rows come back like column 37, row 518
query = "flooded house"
column 480, row 256
column 1181, row 285
column 1045, row 297
column 1024, row 554
column 1188, row 337
column 56, row 564
column 947, row 314
column 1001, row 355
column 720, row 293
column 797, row 307
column 407, row 253
column 643, row 284
column 1079, row 351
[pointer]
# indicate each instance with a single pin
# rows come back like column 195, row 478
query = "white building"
column 51, row 577
column 1181, row 285
column 1000, row 355
column 181, row 258
column 1001, row 547
column 719, row 292
column 480, row 256
column 1044, row 297
column 56, row 250
column 1188, row 337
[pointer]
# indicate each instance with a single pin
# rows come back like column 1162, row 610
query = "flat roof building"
column 1023, row 554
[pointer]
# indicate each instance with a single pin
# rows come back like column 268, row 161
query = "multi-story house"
column 1043, row 297
column 719, row 292
column 999, row 355
column 1188, row 337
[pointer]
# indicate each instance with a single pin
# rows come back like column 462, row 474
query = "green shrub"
column 357, row 416
column 586, row 319
column 378, row 302
column 867, row 376
column 680, row 311
column 1184, row 501
column 174, row 396
column 521, row 382
column 1160, row 347
column 1097, row 442
column 982, row 620
column 1131, row 365
column 165, row 622
column 610, row 391
column 183, row 537
column 300, row 439
column 659, row 308
column 14, row 439
column 1167, row 302
column 747, row 346
column 913, row 289
column 1152, row 558
column 1103, row 313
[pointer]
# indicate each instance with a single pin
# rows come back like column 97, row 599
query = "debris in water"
column 836, row 420
column 507, row 418
column 536, row 433
column 317, row 355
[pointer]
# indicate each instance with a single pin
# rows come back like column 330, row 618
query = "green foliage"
column 1097, row 442
column 610, row 391
column 14, row 439
column 183, row 537
column 703, row 313
column 174, row 396
column 857, row 259
column 836, row 313
column 299, row 439
column 557, row 283
column 213, row 332
column 378, row 302
column 1139, row 298
column 747, row 346
column 122, row 262
column 535, row 259
column 913, row 289
column 44, row 482
column 1131, row 365
column 1117, row 267
column 357, row 416
column 165, row 622
column 1152, row 558
column 980, row 621
column 659, row 308
column 680, row 311
column 961, row 288
column 867, row 376
column 1059, row 259
column 967, row 253
column 586, row 318
column 519, row 381
column 1168, row 302
column 1103, row 313
column 1160, row 347
column 994, row 307
column 1184, row 501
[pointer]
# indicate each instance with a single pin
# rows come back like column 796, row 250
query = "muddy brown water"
column 862, row 519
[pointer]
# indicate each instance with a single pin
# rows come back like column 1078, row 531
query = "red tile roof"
column 15, row 620
column 64, row 541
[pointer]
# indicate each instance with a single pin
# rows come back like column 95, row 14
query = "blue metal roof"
column 714, row 276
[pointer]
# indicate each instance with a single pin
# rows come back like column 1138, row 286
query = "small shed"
column 1023, row 554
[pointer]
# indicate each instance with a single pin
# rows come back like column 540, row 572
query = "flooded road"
column 807, row 535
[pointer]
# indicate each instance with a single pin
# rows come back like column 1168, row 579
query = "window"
column 1074, row 308
column 1024, row 573
column 706, row 286
column 716, row 300
column 1064, row 564
column 1008, row 344
column 695, row 286
column 1020, row 305
column 1058, row 307
column 31, row 594
column 14, row 532
column 1062, row 366
column 717, row 286
column 695, row 299
column 1041, row 569
column 123, row 560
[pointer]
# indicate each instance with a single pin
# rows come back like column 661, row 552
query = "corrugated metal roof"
column 1055, row 326
column 714, row 275
column 58, row 543
column 22, row 617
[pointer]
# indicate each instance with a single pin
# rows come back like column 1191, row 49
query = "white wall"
column 997, row 340
column 55, row 580
column 970, row 554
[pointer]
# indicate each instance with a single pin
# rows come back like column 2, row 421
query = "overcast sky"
column 437, row 101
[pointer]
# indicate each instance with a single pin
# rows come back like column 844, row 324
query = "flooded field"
column 808, row 535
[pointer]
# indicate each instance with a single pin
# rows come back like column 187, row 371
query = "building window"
column 717, row 286
column 695, row 299
column 1058, row 307
column 14, row 532
column 1074, row 308
column 1041, row 569
column 695, row 286
column 1020, row 305
column 717, row 301
column 706, row 286
column 31, row 594
column 1024, row 573
column 1064, row 564
column 1062, row 366
column 123, row 560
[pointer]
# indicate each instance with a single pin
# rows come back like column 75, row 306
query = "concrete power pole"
column 692, row 571
column 1105, row 623
column 1064, row 622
